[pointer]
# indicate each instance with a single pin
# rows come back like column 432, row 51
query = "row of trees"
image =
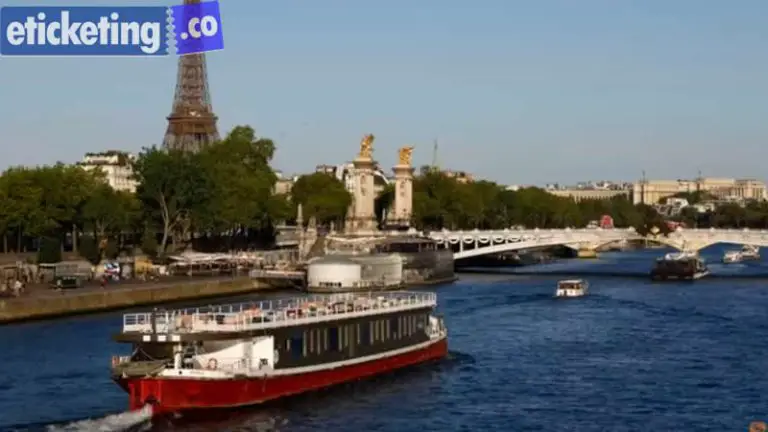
column 217, row 198
column 443, row 202
column 224, row 197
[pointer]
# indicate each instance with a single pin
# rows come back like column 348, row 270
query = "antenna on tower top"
column 434, row 156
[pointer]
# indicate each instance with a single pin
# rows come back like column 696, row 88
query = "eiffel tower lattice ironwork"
column 192, row 124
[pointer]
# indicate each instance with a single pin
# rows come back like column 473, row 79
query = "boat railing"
column 274, row 313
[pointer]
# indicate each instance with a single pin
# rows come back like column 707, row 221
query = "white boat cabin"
column 572, row 288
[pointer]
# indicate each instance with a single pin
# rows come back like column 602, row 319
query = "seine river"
column 632, row 356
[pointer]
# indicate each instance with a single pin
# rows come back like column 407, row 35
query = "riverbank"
column 54, row 304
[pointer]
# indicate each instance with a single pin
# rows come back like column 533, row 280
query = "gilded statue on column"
column 366, row 147
column 405, row 156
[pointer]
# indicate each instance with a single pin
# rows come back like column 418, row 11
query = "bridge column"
column 586, row 250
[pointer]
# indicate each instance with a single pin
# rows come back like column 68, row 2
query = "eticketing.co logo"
column 110, row 31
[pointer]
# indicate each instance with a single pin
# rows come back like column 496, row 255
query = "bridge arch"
column 478, row 243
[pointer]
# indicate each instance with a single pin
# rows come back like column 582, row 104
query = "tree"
column 322, row 196
column 106, row 213
column 240, row 182
column 172, row 185
column 280, row 208
column 65, row 189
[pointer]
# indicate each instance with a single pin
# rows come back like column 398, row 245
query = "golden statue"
column 366, row 147
column 405, row 155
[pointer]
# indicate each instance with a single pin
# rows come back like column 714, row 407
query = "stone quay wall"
column 89, row 300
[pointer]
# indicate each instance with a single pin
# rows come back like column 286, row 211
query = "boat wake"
column 130, row 421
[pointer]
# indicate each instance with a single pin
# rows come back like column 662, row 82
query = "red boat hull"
column 171, row 395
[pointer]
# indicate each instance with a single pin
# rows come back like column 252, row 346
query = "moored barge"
column 247, row 354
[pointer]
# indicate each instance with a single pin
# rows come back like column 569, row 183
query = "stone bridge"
column 467, row 244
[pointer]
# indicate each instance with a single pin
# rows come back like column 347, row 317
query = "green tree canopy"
column 239, row 182
column 172, row 185
column 322, row 196
column 441, row 202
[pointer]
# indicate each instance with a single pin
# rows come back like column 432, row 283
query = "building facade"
column 654, row 191
column 117, row 167
column 284, row 184
column 590, row 194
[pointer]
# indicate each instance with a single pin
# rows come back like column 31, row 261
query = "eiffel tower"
column 192, row 124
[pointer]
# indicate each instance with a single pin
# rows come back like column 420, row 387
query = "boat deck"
column 250, row 316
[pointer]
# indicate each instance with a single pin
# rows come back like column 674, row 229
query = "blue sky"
column 520, row 92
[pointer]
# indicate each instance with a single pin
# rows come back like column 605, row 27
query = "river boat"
column 572, row 288
column 750, row 253
column 231, row 356
column 731, row 257
column 747, row 253
column 679, row 266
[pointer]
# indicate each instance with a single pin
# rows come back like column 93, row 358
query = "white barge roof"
column 248, row 316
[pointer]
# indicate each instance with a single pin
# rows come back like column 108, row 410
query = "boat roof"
column 230, row 320
column 572, row 281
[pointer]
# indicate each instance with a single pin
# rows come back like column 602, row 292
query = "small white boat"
column 747, row 253
column 572, row 288
column 731, row 257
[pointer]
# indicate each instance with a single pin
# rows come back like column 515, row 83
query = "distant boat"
column 750, row 253
column 679, row 266
column 747, row 253
column 572, row 288
column 731, row 257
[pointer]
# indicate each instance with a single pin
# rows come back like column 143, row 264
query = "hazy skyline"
column 516, row 92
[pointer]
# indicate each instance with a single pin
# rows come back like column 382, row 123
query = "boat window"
column 394, row 327
column 358, row 334
column 333, row 338
column 325, row 340
column 376, row 335
column 297, row 346
column 310, row 341
column 382, row 330
column 366, row 333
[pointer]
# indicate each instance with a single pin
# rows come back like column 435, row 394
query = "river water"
column 632, row 356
